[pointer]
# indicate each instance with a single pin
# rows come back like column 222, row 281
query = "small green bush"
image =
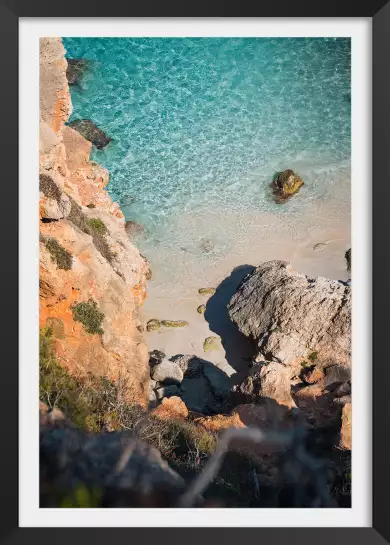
column 91, row 205
column 97, row 225
column 88, row 314
column 313, row 356
column 59, row 255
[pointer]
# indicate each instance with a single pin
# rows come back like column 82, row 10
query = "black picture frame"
column 10, row 12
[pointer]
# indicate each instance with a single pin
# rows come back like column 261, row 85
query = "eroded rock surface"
column 291, row 316
column 77, row 213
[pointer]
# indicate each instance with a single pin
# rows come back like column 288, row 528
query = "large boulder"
column 192, row 366
column 91, row 132
column 291, row 316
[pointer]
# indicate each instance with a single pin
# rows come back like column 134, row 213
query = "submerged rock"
column 285, row 312
column 206, row 245
column 75, row 70
column 153, row 324
column 91, row 132
column 207, row 291
column 133, row 228
column 286, row 184
column 174, row 323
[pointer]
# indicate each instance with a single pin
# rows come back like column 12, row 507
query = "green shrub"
column 88, row 314
column 91, row 205
column 59, row 255
column 313, row 356
column 97, row 225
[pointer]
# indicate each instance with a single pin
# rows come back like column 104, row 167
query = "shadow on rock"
column 239, row 350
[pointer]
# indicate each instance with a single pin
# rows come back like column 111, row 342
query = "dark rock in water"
column 91, row 132
column 285, row 184
column 75, row 70
column 348, row 258
column 155, row 357
column 133, row 228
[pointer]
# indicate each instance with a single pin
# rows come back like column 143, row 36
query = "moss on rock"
column 211, row 343
column 201, row 309
column 153, row 324
column 207, row 291
column 174, row 323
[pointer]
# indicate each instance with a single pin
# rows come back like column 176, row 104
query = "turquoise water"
column 194, row 119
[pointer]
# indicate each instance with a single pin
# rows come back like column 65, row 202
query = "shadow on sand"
column 239, row 350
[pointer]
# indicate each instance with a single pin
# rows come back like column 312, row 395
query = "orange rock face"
column 171, row 408
column 106, row 268
column 220, row 422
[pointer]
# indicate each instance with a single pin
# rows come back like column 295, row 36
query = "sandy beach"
column 313, row 237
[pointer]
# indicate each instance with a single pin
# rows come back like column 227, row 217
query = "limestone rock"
column 270, row 380
column 192, row 366
column 285, row 312
column 155, row 357
column 220, row 383
column 91, row 132
column 167, row 372
column 312, row 374
column 168, row 391
column 335, row 376
column 346, row 427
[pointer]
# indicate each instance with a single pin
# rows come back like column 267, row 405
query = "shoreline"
column 173, row 291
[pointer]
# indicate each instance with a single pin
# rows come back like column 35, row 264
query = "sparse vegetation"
column 97, row 225
column 92, row 226
column 153, row 324
column 59, row 255
column 313, row 357
column 89, row 315
column 49, row 188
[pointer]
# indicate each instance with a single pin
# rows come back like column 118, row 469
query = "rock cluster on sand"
column 199, row 383
column 290, row 315
column 90, row 132
column 286, row 184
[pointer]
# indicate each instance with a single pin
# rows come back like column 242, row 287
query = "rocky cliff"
column 92, row 279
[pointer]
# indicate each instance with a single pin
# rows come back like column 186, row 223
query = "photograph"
column 195, row 269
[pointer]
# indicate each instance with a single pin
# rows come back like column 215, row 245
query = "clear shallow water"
column 200, row 125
